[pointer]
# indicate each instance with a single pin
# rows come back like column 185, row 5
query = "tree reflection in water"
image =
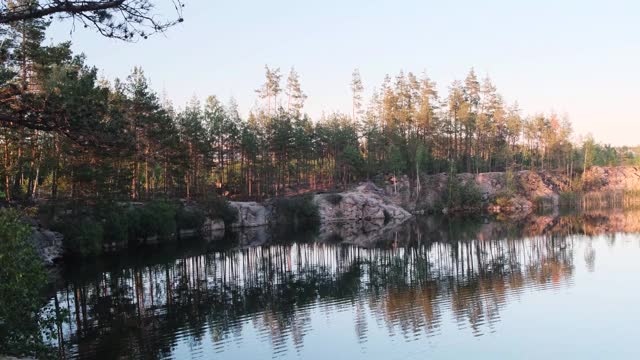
column 408, row 280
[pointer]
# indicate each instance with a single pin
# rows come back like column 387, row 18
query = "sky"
column 576, row 58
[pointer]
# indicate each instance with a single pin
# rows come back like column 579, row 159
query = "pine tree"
column 295, row 96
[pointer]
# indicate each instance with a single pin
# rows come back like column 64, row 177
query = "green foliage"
column 156, row 151
column 503, row 199
column 23, row 322
column 397, row 162
column 217, row 207
column 510, row 180
column 83, row 236
column 156, row 218
column 460, row 195
column 115, row 221
column 351, row 161
column 190, row 218
column 298, row 211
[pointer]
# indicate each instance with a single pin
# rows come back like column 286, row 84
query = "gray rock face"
column 250, row 214
column 48, row 244
column 365, row 202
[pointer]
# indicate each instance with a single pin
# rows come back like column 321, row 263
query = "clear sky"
column 578, row 58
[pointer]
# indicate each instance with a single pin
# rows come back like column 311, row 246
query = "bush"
column 190, row 218
column 461, row 196
column 115, row 220
column 155, row 218
column 333, row 199
column 83, row 236
column 23, row 321
column 297, row 211
column 502, row 200
column 218, row 207
column 116, row 227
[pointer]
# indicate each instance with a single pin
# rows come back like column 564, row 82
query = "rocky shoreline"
column 366, row 208
column 517, row 192
column 364, row 202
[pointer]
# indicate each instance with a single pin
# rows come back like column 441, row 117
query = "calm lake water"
column 541, row 287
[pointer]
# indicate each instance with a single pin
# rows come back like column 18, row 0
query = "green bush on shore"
column 297, row 211
column 190, row 218
column 218, row 207
column 156, row 218
column 87, row 230
column 83, row 236
column 115, row 222
column 460, row 195
column 24, row 323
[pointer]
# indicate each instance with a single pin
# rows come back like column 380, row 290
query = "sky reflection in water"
column 540, row 287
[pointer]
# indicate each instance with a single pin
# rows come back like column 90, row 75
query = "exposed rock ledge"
column 250, row 214
column 365, row 202
column 48, row 244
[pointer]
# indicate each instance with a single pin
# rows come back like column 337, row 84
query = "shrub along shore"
column 93, row 227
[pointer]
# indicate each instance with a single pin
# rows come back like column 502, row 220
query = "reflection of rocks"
column 48, row 245
column 250, row 214
column 271, row 289
column 365, row 202
column 213, row 229
column 361, row 233
column 254, row 236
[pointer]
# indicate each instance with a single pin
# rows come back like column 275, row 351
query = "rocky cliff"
column 519, row 191
column 364, row 202
column 250, row 214
column 48, row 244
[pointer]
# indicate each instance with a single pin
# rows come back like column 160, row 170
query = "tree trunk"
column 7, row 181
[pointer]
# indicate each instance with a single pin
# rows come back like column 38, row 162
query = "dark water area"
column 541, row 287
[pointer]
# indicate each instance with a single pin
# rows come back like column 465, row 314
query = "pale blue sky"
column 575, row 57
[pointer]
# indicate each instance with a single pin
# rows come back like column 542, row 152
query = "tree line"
column 68, row 134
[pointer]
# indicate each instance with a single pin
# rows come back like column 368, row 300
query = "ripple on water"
column 285, row 299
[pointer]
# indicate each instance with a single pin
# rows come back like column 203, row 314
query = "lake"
column 546, row 286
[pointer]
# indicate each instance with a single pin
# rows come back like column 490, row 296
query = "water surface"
column 540, row 287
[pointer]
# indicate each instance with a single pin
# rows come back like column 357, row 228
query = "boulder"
column 250, row 214
column 48, row 244
column 365, row 202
